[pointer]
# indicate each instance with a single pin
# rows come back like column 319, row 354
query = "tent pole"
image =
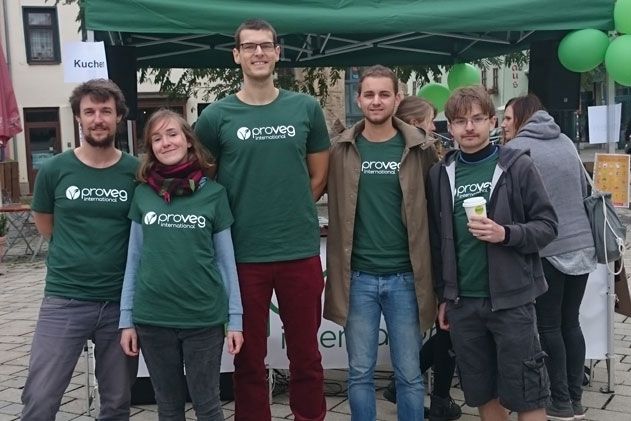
column 612, row 138
column 611, row 295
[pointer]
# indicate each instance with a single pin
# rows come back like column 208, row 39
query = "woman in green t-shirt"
column 180, row 287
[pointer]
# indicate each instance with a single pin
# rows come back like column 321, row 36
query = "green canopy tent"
column 199, row 33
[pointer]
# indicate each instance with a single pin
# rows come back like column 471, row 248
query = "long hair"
column 415, row 108
column 523, row 108
column 195, row 152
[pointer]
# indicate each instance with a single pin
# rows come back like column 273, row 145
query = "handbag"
column 607, row 229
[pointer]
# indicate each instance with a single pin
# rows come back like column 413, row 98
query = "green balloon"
column 583, row 50
column 622, row 16
column 436, row 94
column 463, row 74
column 618, row 60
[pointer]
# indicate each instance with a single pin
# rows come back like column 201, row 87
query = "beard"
column 378, row 121
column 104, row 143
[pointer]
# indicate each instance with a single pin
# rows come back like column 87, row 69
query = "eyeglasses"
column 250, row 47
column 462, row 122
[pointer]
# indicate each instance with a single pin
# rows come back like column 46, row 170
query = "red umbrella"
column 10, row 123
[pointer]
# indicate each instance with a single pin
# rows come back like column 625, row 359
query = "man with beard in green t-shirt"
column 271, row 147
column 80, row 205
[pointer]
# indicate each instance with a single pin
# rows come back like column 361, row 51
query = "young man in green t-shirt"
column 378, row 245
column 487, row 270
column 271, row 147
column 80, row 205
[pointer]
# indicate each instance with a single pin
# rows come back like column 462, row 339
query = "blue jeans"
column 395, row 297
column 166, row 352
column 63, row 327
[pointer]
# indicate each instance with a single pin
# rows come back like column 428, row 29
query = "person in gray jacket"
column 568, row 259
column 487, row 270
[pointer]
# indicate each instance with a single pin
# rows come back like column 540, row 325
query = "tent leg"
column 611, row 355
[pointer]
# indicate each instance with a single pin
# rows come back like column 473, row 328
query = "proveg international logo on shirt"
column 174, row 220
column 266, row 132
column 474, row 189
column 96, row 194
column 380, row 167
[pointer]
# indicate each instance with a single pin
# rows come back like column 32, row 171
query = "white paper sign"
column 598, row 120
column 84, row 61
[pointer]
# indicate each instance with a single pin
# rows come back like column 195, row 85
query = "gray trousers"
column 63, row 327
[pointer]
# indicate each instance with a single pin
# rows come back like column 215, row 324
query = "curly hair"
column 99, row 90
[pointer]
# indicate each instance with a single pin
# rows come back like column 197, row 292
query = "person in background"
column 80, row 205
column 272, row 148
column 378, row 258
column 486, row 266
column 436, row 351
column 627, row 137
column 180, row 286
column 568, row 259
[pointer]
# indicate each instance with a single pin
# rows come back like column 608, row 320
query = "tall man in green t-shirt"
column 80, row 205
column 487, row 270
column 271, row 146
column 378, row 245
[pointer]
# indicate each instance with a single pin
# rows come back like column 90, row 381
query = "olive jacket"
column 343, row 182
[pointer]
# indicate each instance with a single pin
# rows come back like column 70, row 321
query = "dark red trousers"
column 298, row 285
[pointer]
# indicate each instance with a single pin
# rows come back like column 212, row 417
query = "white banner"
column 84, row 61
column 593, row 315
column 330, row 337
column 593, row 319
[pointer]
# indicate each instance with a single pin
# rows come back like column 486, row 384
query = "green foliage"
column 588, row 79
column 4, row 225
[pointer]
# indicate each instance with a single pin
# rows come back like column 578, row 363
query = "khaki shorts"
column 498, row 354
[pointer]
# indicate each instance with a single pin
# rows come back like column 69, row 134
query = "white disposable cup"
column 475, row 206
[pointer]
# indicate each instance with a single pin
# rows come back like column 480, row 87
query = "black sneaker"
column 560, row 411
column 390, row 392
column 579, row 411
column 443, row 409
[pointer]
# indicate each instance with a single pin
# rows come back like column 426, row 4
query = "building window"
column 483, row 75
column 495, row 86
column 43, row 140
column 41, row 35
column 351, row 82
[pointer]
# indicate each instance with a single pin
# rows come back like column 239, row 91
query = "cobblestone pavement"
column 21, row 287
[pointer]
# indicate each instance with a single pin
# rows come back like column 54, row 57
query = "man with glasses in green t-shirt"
column 271, row 147
column 80, row 204
column 378, row 245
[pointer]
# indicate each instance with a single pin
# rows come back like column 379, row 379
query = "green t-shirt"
column 380, row 240
column 472, row 180
column 262, row 156
column 88, row 247
column 178, row 283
